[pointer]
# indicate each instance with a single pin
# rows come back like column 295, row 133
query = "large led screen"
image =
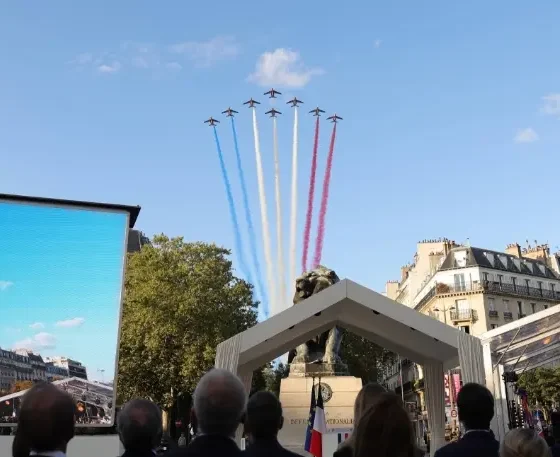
column 61, row 279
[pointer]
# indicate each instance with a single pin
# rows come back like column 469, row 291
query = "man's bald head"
column 139, row 425
column 47, row 417
column 219, row 402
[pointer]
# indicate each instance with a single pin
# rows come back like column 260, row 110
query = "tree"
column 542, row 386
column 181, row 300
column 364, row 358
column 21, row 385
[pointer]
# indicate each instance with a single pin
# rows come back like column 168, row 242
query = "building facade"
column 75, row 369
column 474, row 290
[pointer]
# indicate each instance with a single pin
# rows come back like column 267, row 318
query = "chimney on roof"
column 514, row 249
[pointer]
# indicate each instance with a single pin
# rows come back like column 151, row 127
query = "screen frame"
column 131, row 213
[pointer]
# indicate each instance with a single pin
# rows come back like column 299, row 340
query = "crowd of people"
column 220, row 405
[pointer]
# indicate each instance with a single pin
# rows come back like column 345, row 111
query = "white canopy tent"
column 521, row 345
column 432, row 344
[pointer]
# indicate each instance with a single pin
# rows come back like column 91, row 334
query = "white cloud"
column 113, row 67
column 377, row 43
column 37, row 326
column 551, row 104
column 206, row 53
column 527, row 135
column 68, row 323
column 40, row 341
column 174, row 66
column 5, row 284
column 284, row 68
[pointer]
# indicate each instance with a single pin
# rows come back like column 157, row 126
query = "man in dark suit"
column 46, row 420
column 475, row 406
column 263, row 422
column 219, row 405
column 139, row 427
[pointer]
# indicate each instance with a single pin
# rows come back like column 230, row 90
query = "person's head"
column 264, row 416
column 524, row 442
column 46, row 418
column 366, row 397
column 219, row 403
column 475, row 405
column 139, row 425
column 384, row 430
column 20, row 447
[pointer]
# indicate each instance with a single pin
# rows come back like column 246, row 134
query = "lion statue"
column 323, row 348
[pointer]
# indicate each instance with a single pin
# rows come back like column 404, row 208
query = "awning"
column 527, row 343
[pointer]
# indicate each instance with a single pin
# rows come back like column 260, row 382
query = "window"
column 491, row 305
column 461, row 305
column 514, row 282
column 520, row 307
column 533, row 308
column 460, row 258
column 540, row 286
column 493, row 326
column 484, row 276
column 528, row 284
column 465, row 328
column 500, row 279
column 552, row 287
column 545, row 306
column 506, row 306
column 459, row 282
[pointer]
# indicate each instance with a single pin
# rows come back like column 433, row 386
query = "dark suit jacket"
column 555, row 450
column 267, row 448
column 345, row 450
column 208, row 446
column 475, row 443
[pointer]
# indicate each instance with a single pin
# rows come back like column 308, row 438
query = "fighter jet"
column 252, row 103
column 294, row 101
column 212, row 121
column 272, row 93
column 229, row 112
column 317, row 111
column 334, row 118
column 273, row 112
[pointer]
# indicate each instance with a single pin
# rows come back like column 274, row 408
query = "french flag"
column 319, row 427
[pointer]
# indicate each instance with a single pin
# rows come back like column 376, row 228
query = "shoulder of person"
column 344, row 450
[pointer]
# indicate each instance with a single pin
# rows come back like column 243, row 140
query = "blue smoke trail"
column 250, row 226
column 237, row 235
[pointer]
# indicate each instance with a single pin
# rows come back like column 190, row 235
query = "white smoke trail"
column 293, row 216
column 264, row 216
column 279, row 243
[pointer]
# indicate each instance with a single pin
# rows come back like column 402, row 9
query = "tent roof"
column 527, row 343
column 93, row 387
column 393, row 326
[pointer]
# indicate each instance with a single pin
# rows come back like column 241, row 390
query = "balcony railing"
column 521, row 315
column 493, row 313
column 489, row 287
column 464, row 315
column 508, row 316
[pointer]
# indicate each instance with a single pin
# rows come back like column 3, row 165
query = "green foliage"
column 542, row 386
column 181, row 300
column 365, row 359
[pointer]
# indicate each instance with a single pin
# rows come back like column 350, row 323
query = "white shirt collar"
column 48, row 454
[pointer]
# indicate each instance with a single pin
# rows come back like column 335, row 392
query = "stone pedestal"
column 339, row 394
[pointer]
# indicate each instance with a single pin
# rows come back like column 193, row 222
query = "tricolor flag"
column 319, row 427
column 310, row 420
column 343, row 437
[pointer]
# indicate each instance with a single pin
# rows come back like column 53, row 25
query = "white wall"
column 80, row 446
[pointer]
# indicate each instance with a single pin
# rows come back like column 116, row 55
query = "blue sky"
column 451, row 115
column 60, row 283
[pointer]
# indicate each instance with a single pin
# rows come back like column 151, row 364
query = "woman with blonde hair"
column 524, row 442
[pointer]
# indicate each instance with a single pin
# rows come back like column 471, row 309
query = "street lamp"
column 444, row 310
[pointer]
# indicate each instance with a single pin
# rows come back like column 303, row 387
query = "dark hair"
column 139, row 425
column 46, row 418
column 264, row 415
column 20, row 447
column 476, row 406
column 385, row 430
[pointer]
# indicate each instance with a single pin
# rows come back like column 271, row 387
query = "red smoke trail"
column 324, row 203
column 309, row 214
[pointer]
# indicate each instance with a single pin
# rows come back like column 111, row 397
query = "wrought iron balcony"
column 464, row 315
column 493, row 313
column 508, row 316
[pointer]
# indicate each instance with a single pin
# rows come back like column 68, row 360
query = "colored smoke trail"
column 293, row 215
column 264, row 217
column 249, row 220
column 279, row 242
column 324, row 203
column 236, row 233
column 310, row 197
